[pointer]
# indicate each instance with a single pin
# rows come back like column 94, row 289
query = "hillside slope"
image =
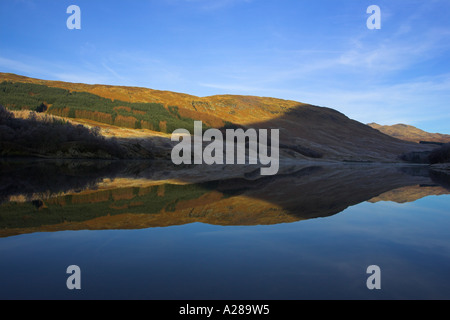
column 306, row 131
column 410, row 133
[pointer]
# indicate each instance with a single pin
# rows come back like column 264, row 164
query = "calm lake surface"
column 309, row 233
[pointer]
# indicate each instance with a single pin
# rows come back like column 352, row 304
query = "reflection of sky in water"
column 313, row 259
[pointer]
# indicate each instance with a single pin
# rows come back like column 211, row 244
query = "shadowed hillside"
column 318, row 132
column 52, row 137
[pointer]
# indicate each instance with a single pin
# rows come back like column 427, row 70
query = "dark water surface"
column 308, row 233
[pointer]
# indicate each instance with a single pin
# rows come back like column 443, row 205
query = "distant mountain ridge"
column 410, row 133
column 306, row 131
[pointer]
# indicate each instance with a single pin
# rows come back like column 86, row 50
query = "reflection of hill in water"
column 48, row 196
column 410, row 193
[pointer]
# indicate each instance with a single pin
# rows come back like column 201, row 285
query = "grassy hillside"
column 84, row 105
column 410, row 133
column 215, row 111
column 306, row 131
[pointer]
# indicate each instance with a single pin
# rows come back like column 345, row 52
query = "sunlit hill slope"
column 411, row 133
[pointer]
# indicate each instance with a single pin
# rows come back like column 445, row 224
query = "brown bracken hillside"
column 410, row 133
column 306, row 131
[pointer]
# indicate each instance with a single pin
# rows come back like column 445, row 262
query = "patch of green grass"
column 69, row 208
column 19, row 96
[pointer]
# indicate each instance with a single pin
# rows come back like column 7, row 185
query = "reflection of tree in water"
column 28, row 178
column 44, row 178
column 219, row 197
column 438, row 176
column 441, row 177
column 38, row 203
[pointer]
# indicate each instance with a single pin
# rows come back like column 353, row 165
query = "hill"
column 411, row 133
column 306, row 131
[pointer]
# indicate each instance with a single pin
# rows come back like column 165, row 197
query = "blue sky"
column 319, row 52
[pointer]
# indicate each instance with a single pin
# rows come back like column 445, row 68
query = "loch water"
column 149, row 231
